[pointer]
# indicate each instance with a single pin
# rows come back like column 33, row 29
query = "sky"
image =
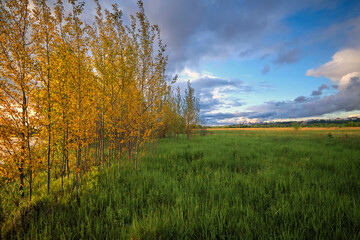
column 261, row 60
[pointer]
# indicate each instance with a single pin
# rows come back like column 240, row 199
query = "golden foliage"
column 75, row 96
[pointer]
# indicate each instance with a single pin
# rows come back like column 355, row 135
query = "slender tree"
column 43, row 37
column 190, row 110
column 16, row 85
column 75, row 31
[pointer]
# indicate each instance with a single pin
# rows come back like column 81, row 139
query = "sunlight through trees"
column 75, row 96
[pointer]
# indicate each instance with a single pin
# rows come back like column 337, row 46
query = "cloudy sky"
column 261, row 60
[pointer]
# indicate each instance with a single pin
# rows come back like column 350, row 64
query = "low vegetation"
column 229, row 184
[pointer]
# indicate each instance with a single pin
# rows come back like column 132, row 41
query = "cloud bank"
column 203, row 29
column 343, row 70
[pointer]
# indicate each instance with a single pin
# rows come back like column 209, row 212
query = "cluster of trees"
column 75, row 96
column 182, row 113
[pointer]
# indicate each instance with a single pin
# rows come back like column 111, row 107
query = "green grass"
column 232, row 184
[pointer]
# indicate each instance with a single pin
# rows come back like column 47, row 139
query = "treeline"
column 75, row 96
column 315, row 123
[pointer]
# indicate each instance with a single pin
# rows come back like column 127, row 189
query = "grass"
column 232, row 184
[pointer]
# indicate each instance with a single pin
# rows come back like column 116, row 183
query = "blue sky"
column 262, row 60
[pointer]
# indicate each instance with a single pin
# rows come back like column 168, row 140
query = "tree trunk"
column 49, row 159
column 23, row 143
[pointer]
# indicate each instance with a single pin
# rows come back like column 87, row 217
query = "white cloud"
column 189, row 74
column 346, row 80
column 345, row 65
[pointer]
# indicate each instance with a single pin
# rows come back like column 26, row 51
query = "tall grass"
column 235, row 184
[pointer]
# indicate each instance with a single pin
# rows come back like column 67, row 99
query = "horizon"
column 350, row 118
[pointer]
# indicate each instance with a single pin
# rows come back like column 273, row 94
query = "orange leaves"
column 16, row 90
column 87, row 94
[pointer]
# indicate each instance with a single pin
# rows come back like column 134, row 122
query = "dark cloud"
column 208, row 104
column 221, row 116
column 320, row 90
column 265, row 70
column 346, row 99
column 264, row 115
column 264, row 56
column 194, row 30
column 200, row 29
column 247, row 52
column 216, row 118
column 207, row 82
column 300, row 99
column 288, row 56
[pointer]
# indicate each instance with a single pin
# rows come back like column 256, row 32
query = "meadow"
column 249, row 184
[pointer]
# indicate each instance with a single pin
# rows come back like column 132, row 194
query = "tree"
column 190, row 110
column 296, row 126
column 179, row 124
column 43, row 37
column 81, row 83
column 16, row 86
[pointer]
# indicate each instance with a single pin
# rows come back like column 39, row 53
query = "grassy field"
column 231, row 184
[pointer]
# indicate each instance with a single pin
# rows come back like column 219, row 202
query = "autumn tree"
column 80, row 93
column 76, row 90
column 191, row 110
column 16, row 86
column 178, row 124
column 43, row 38
column 63, row 62
column 151, row 80
column 108, row 47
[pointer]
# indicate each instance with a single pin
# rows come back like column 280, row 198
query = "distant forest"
column 348, row 122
